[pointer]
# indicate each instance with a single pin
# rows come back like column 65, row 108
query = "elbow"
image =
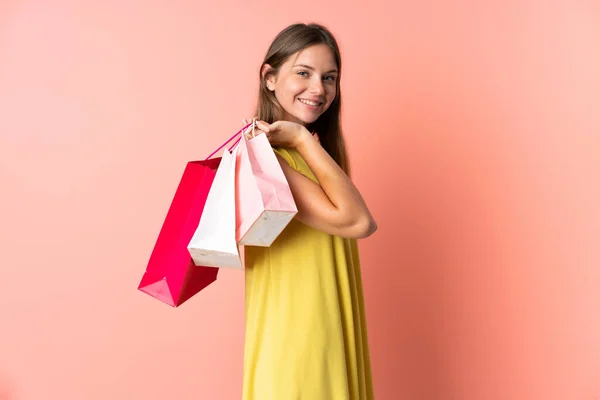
column 370, row 228
column 363, row 228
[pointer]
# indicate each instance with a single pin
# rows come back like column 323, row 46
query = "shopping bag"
column 214, row 241
column 264, row 201
column 171, row 276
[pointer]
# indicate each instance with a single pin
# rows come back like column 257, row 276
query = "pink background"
column 474, row 132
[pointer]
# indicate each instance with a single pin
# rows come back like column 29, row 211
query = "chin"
column 306, row 119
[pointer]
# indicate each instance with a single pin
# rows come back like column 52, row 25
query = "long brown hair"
column 288, row 42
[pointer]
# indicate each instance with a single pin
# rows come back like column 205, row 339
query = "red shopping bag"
column 171, row 276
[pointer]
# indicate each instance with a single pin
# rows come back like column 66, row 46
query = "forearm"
column 341, row 191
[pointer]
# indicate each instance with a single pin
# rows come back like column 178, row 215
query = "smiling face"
column 306, row 84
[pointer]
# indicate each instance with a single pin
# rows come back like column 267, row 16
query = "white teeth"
column 310, row 103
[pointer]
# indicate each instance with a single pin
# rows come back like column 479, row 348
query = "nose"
column 317, row 86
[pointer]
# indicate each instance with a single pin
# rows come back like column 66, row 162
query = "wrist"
column 303, row 137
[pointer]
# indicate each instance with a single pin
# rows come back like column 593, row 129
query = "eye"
column 330, row 78
column 303, row 73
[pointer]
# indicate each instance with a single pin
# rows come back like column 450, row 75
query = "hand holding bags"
column 250, row 203
column 241, row 198
column 171, row 275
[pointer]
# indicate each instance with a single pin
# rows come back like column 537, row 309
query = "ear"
column 267, row 71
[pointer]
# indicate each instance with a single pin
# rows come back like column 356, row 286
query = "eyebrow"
column 312, row 69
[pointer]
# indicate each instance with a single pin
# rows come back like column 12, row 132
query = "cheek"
column 294, row 87
column 331, row 93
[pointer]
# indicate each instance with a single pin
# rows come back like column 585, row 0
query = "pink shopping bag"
column 264, row 201
column 171, row 275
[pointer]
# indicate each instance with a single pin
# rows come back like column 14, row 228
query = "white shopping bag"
column 214, row 241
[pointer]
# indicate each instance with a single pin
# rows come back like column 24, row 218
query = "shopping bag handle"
column 253, row 125
column 229, row 140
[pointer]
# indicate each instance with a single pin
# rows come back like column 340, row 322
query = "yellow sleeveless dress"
column 306, row 333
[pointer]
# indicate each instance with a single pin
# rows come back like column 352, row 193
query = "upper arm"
column 316, row 210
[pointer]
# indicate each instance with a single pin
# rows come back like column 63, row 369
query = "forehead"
column 319, row 56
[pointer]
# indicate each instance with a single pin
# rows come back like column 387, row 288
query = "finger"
column 247, row 131
column 263, row 126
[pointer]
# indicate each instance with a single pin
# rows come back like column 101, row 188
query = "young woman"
column 306, row 336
